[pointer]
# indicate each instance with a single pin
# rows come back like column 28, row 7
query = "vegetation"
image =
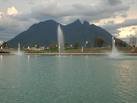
column 99, row 42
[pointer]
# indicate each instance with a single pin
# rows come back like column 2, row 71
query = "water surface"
column 67, row 79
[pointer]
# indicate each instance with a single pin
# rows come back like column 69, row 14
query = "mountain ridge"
column 45, row 34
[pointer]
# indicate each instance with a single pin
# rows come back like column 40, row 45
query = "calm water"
column 67, row 79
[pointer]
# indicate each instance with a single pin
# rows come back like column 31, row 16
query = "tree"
column 4, row 44
column 99, row 42
column 76, row 45
column 133, row 41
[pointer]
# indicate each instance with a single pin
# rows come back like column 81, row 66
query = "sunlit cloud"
column 127, row 31
column 107, row 21
column 12, row 11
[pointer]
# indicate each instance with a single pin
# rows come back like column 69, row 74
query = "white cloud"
column 12, row 11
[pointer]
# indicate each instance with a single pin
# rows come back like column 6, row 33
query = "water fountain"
column 28, row 48
column 1, row 48
column 82, row 49
column 19, row 50
column 60, row 37
column 114, row 53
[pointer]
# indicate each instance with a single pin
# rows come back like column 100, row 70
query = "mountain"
column 45, row 34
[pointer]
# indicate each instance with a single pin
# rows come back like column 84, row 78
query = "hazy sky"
column 117, row 16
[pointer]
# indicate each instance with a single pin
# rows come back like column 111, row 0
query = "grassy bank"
column 79, row 50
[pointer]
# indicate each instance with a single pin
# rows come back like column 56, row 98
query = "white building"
column 1, row 42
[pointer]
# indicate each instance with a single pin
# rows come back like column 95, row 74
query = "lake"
column 68, row 79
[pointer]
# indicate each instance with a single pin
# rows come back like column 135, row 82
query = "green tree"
column 76, row 45
column 99, row 42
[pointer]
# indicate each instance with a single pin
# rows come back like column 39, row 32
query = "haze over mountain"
column 45, row 34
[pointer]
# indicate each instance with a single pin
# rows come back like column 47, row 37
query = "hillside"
column 45, row 34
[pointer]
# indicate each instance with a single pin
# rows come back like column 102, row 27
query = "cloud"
column 12, row 11
column 13, row 20
column 114, row 2
column 130, row 22
column 12, row 23
column 10, row 26
column 126, row 23
column 115, row 28
column 89, row 12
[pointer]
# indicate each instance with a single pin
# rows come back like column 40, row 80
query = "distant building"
column 36, row 49
column 1, row 42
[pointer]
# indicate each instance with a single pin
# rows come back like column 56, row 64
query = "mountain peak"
column 77, row 21
column 86, row 23
column 45, row 33
column 50, row 21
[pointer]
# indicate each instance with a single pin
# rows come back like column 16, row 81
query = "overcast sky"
column 119, row 17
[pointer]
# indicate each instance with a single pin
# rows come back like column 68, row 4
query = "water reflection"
column 60, row 65
column 1, row 58
column 126, row 85
column 67, row 79
column 28, row 58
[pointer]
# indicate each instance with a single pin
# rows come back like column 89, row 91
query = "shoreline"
column 78, row 53
column 87, row 51
column 71, row 54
